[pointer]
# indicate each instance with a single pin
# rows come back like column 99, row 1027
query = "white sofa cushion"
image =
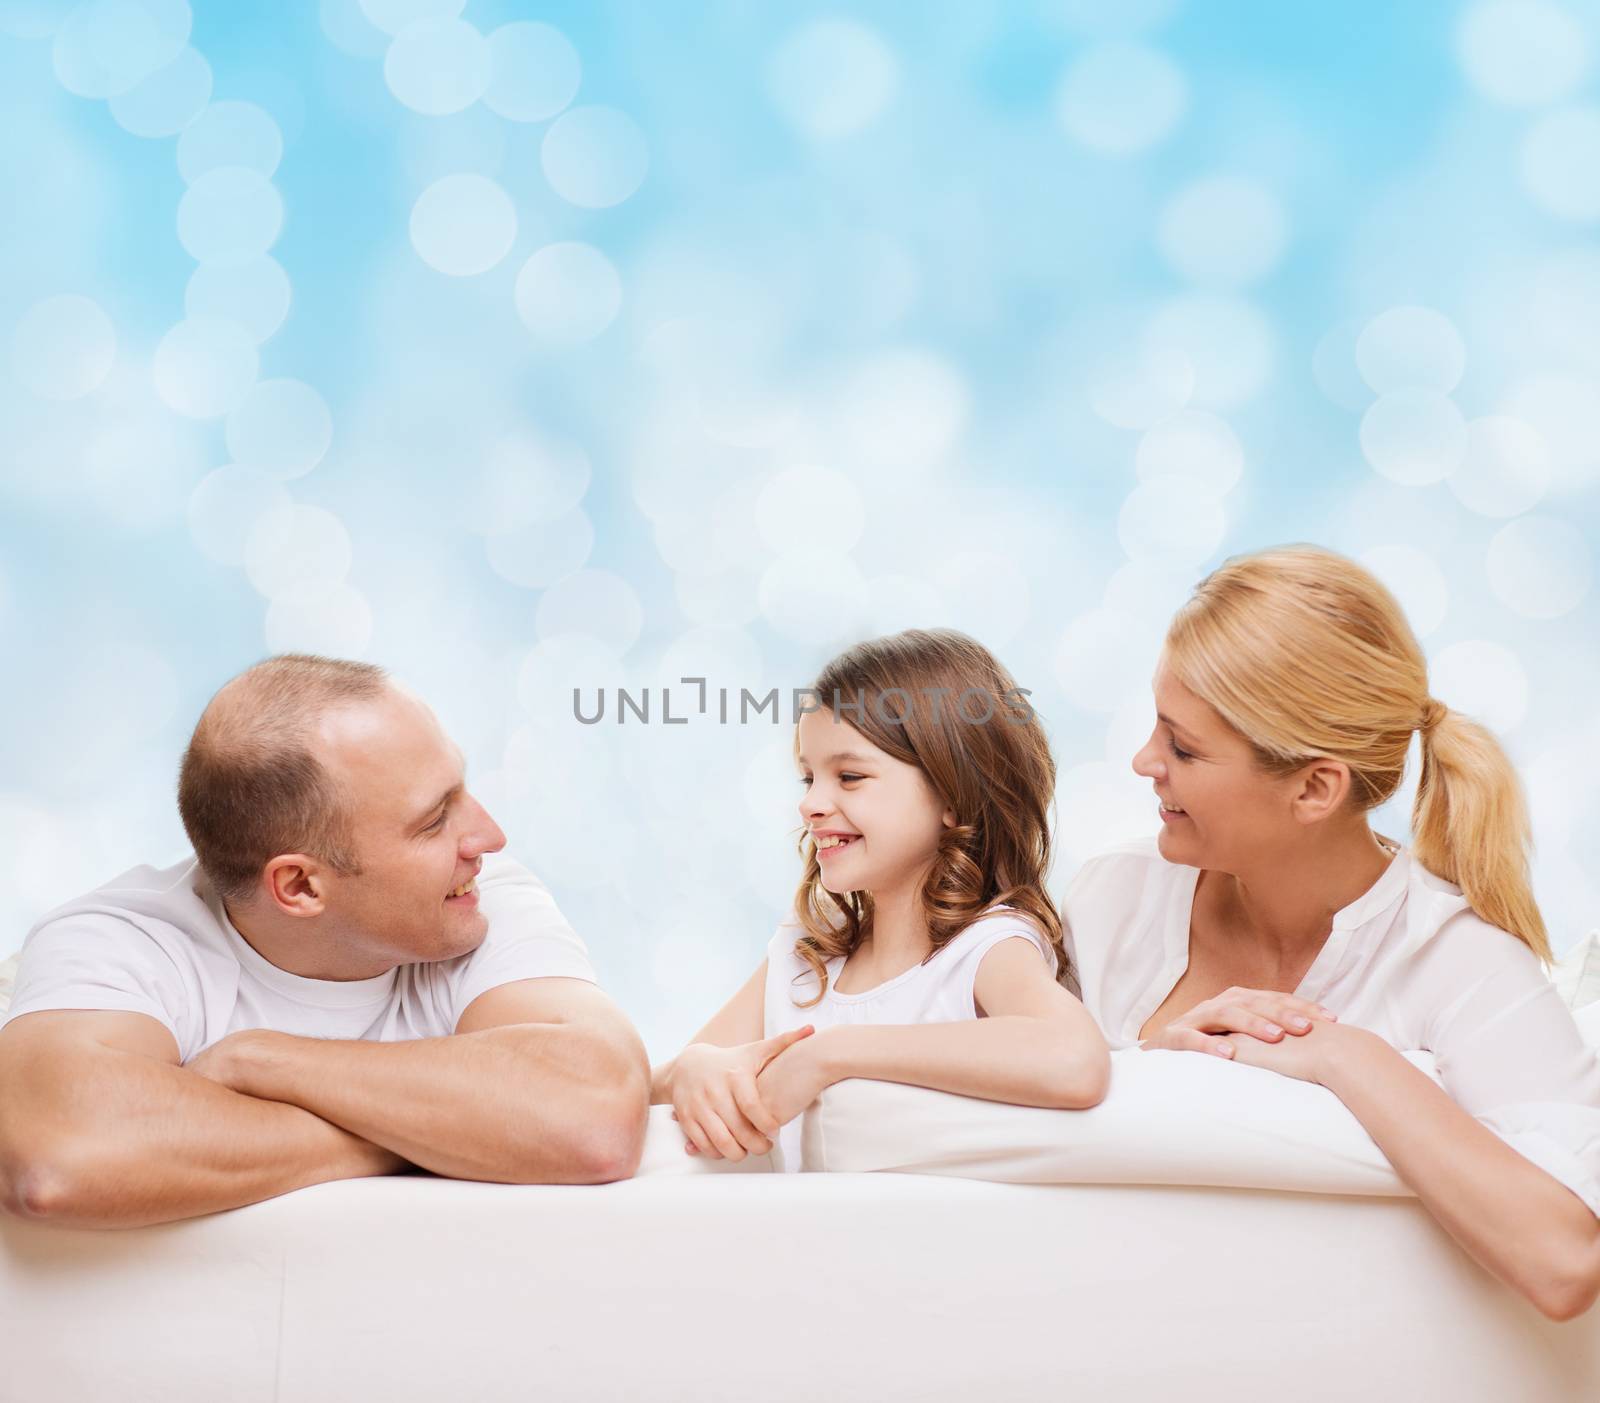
column 1577, row 975
column 1170, row 1118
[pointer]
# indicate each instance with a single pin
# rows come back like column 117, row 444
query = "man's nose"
column 483, row 835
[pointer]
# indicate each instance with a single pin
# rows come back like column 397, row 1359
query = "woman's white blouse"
column 1408, row 960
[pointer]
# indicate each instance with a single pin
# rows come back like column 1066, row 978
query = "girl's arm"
column 1035, row 1046
column 737, row 1021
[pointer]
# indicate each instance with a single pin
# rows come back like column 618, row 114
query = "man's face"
column 419, row 836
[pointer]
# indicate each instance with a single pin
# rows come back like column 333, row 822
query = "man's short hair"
column 250, row 786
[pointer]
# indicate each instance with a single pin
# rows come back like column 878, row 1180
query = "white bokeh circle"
column 1416, row 581
column 1229, row 342
column 1104, row 655
column 1223, row 231
column 813, row 596
column 283, row 427
column 1540, row 566
column 902, row 409
column 538, row 553
column 226, row 506
column 1118, row 99
column 1101, row 804
column 1411, row 348
column 391, row 16
column 526, row 477
column 534, row 72
column 437, row 66
column 63, row 347
column 595, row 603
column 106, row 47
column 229, row 215
column 163, row 103
column 1560, row 156
column 1565, row 411
column 1198, row 447
column 336, row 625
column 1171, row 521
column 1414, row 437
column 831, row 78
column 204, row 367
column 802, row 505
column 298, row 556
column 1522, row 53
column 230, row 133
column 1505, row 469
column 568, row 292
column 256, row 295
column 1483, row 680
column 594, row 157
column 1136, row 388
column 463, row 225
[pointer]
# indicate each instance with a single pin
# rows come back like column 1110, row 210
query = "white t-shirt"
column 158, row 941
column 939, row 991
column 1408, row 960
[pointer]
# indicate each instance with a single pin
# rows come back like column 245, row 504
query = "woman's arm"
column 1520, row 1223
column 1036, row 1046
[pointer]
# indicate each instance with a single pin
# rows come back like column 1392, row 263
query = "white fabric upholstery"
column 1170, row 1118
column 707, row 1281
column 720, row 1287
column 1577, row 975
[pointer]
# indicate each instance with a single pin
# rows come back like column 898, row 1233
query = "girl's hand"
column 1262, row 1014
column 792, row 1081
column 715, row 1099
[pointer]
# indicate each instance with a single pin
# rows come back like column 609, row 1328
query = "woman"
column 1268, row 923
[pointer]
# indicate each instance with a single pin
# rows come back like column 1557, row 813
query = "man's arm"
column 100, row 1127
column 544, row 1081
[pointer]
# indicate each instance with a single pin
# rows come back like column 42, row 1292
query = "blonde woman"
column 1267, row 923
column 923, row 947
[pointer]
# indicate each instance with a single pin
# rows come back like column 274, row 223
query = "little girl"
column 923, row 947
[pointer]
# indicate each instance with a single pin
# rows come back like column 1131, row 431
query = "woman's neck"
column 1285, row 904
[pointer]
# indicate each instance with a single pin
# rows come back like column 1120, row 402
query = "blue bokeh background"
column 523, row 346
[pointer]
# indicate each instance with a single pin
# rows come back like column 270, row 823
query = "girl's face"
column 1219, row 811
column 884, row 810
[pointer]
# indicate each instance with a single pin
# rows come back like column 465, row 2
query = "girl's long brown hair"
column 997, row 774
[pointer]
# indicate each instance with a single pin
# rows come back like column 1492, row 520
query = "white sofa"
column 1225, row 1232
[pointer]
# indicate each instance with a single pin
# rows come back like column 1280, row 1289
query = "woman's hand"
column 1263, row 1014
column 715, row 1097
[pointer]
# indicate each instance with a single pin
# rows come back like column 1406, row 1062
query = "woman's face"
column 1219, row 810
column 884, row 809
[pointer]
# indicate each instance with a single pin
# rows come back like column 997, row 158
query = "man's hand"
column 230, row 1060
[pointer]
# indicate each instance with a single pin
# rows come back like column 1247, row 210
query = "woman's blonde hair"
column 995, row 772
column 1307, row 655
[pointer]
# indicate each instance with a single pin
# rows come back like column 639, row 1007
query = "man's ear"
column 1322, row 788
column 295, row 884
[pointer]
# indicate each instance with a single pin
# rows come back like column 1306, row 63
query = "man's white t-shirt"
column 939, row 991
column 158, row 941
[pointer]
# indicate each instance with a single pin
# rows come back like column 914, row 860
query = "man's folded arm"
column 101, row 1127
column 544, row 1081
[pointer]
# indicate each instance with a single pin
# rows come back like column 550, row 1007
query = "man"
column 343, row 981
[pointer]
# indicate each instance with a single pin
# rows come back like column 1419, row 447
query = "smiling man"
column 346, row 979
